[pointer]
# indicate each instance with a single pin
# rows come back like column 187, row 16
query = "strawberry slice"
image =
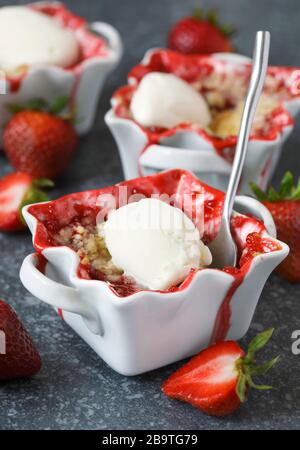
column 17, row 190
column 18, row 355
column 216, row 380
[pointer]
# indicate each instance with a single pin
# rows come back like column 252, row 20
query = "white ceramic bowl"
column 82, row 83
column 149, row 329
column 189, row 150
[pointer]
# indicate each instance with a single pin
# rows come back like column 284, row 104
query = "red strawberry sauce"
column 248, row 232
column 41, row 262
column 91, row 45
column 192, row 68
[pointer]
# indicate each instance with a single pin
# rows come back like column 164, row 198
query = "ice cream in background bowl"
column 154, row 132
column 29, row 37
column 202, row 92
column 47, row 52
column 165, row 100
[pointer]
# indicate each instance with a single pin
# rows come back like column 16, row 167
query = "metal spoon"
column 223, row 247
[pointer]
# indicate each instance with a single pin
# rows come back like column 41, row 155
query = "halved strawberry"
column 18, row 356
column 17, row 190
column 216, row 380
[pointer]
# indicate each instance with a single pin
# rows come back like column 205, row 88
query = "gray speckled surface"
column 75, row 389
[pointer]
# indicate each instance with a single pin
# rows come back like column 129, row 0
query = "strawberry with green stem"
column 39, row 139
column 284, row 206
column 218, row 378
column 201, row 34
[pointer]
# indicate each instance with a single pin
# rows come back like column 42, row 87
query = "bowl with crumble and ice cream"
column 184, row 111
column 47, row 52
column 129, row 267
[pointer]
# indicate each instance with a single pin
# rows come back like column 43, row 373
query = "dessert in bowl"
column 185, row 110
column 47, row 52
column 145, row 298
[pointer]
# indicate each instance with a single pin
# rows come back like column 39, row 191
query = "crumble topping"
column 91, row 249
column 224, row 93
column 227, row 122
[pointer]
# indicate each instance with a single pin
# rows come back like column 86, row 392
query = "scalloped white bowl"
column 149, row 329
column 190, row 151
column 49, row 82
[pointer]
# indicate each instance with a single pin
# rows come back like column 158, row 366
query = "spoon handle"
column 259, row 69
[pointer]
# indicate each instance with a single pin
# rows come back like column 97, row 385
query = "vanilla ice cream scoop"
column 28, row 37
column 153, row 242
column 165, row 100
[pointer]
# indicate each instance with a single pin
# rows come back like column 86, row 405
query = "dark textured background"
column 75, row 389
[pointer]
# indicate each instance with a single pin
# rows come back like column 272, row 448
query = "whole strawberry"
column 216, row 380
column 18, row 355
column 200, row 34
column 39, row 143
column 17, row 190
column 284, row 206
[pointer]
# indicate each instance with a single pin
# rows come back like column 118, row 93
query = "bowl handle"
column 249, row 205
column 110, row 34
column 202, row 160
column 56, row 294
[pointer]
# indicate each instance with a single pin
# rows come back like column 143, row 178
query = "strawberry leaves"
column 241, row 387
column 212, row 17
column 259, row 193
column 57, row 108
column 286, row 185
column 264, row 368
column 296, row 192
column 287, row 190
column 247, row 367
column 35, row 194
column 59, row 105
column 198, row 14
column 258, row 343
column 37, row 104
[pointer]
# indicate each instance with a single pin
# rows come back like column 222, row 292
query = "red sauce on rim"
column 41, row 263
column 256, row 244
column 192, row 68
column 91, row 45
column 248, row 232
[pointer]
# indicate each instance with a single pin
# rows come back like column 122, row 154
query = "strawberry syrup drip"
column 256, row 244
column 91, row 45
column 41, row 263
column 223, row 319
column 265, row 170
column 248, row 232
